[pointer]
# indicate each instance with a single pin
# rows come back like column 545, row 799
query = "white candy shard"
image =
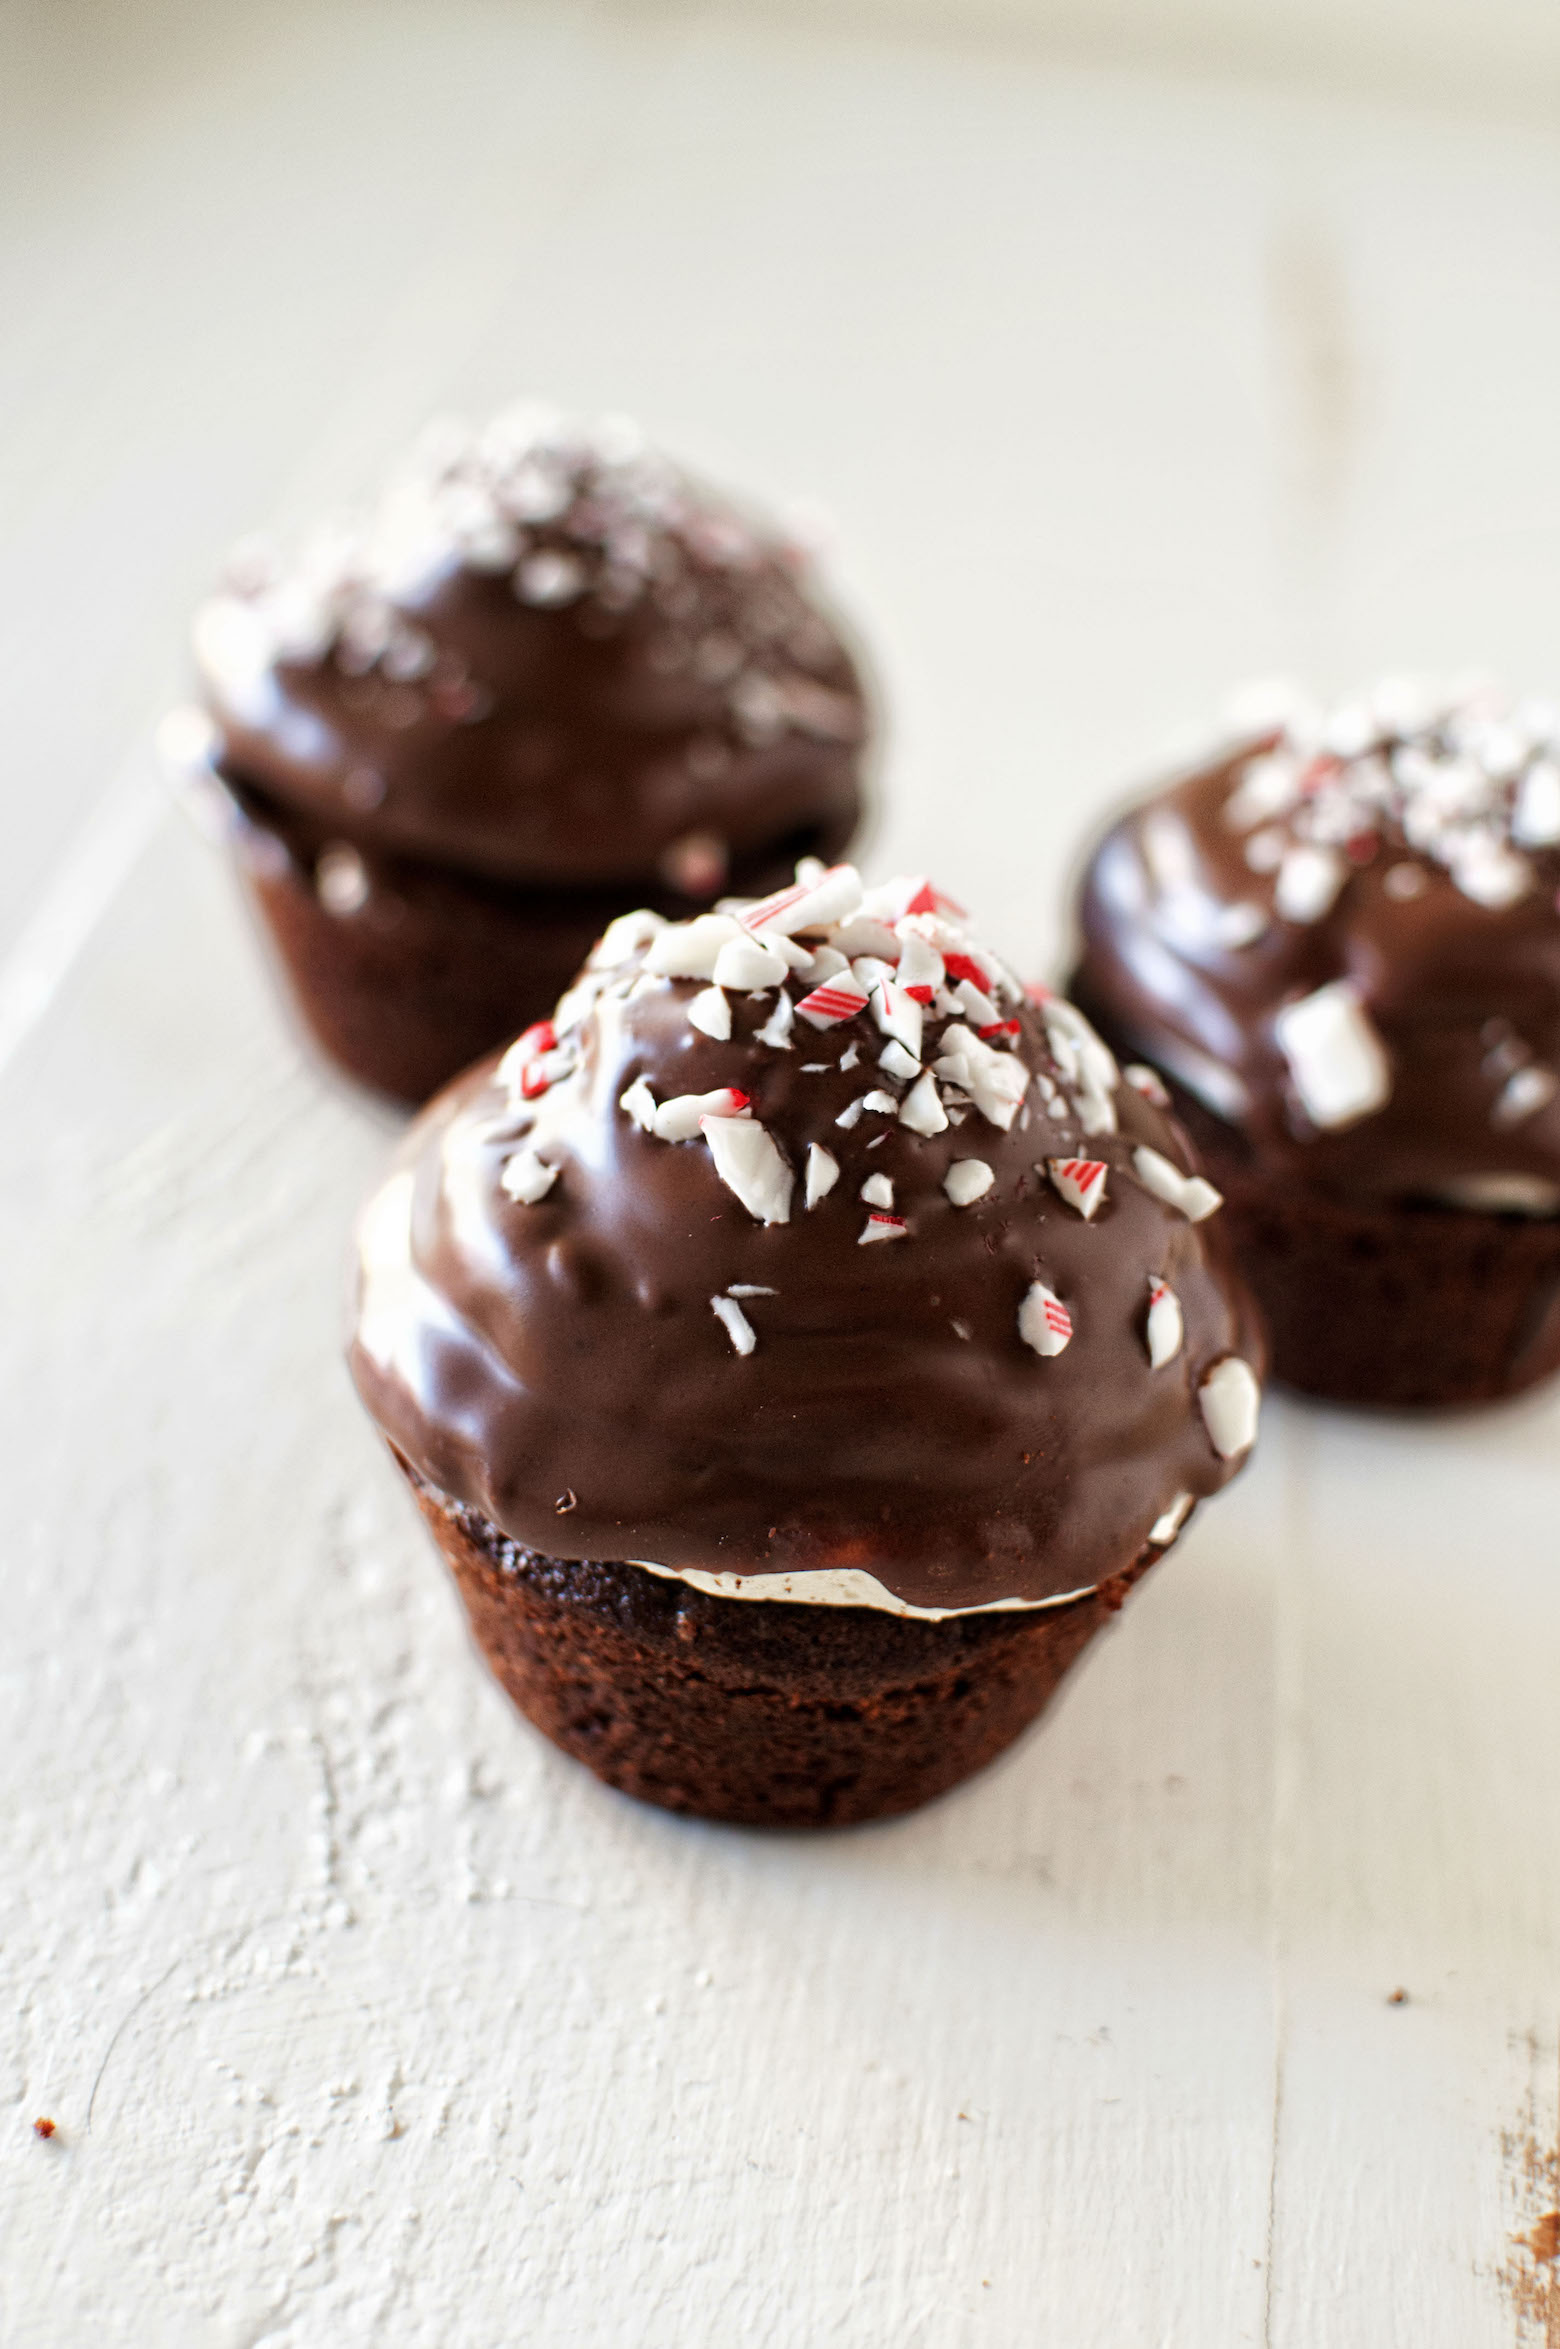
column 750, row 1289
column 823, row 1172
column 1148, row 1082
column 749, row 1163
column 690, row 950
column 851, row 1112
column 882, row 1227
column 1080, row 1181
column 1165, row 1328
column 622, row 939
column 810, row 904
column 679, row 1119
column 1231, row 1401
column 921, row 1109
column 895, row 1061
column 976, row 1005
column 995, row 1081
column 526, row 1177
column 748, row 966
column 1491, row 874
column 850, row 1057
column 1525, row 1092
column 1338, row 1062
column 710, row 1013
column 884, row 1103
column 639, row 1104
column 341, row 879
column 967, row 1180
column 1535, row 819
column 1309, row 880
column 1043, row 1320
column 776, row 1030
column 1194, row 1195
column 898, row 1014
column 739, row 1329
column 878, row 1191
column 1164, row 1529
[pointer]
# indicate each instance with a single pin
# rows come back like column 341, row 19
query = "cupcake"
column 547, row 679
column 1337, row 941
column 798, row 1347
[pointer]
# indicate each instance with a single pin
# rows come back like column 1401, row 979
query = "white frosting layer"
column 843, row 1586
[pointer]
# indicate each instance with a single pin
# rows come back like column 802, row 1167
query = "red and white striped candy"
column 1044, row 1321
column 920, row 965
column 807, row 905
column 882, row 1226
column 1146, row 1081
column 836, row 1000
column 1080, row 1181
column 519, row 1061
column 1164, row 1328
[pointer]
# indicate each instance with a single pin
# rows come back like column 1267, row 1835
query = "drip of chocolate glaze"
column 1461, row 993
column 889, row 1417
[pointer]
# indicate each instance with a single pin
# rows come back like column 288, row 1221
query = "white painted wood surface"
column 363, row 2017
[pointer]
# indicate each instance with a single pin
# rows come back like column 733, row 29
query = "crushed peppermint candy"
column 1044, row 1321
column 638, row 1102
column 1194, row 1195
column 1080, row 1181
column 1164, row 1329
column 710, row 1013
column 922, row 1109
column 1230, row 1401
column 679, row 1119
column 878, row 1191
column 967, row 1180
column 823, row 1172
column 1336, row 1058
column 882, row 1226
column 579, row 517
column 1148, row 1082
column 739, row 1329
column 836, row 1000
column 1458, row 776
column 526, row 1177
column 749, row 1163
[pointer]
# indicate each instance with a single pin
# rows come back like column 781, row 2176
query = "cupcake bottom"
column 1406, row 1307
column 764, row 1713
column 406, row 972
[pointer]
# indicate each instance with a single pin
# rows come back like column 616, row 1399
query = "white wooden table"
column 363, row 2017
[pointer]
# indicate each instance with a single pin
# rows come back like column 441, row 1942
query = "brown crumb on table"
column 1397, row 1998
column 1544, row 2239
column 43, row 2128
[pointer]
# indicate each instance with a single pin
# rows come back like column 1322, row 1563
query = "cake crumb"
column 1397, row 1998
column 43, row 2128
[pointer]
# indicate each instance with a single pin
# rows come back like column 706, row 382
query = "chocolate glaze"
column 558, row 1365
column 1444, row 928
column 546, row 659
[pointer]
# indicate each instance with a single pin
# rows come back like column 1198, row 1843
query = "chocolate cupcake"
column 1338, row 941
column 798, row 1347
column 546, row 680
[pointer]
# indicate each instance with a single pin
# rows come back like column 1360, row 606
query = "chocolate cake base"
column 764, row 1713
column 1406, row 1307
column 432, row 968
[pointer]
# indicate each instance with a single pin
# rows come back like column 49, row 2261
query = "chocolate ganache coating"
column 546, row 657
column 1342, row 936
column 800, row 1240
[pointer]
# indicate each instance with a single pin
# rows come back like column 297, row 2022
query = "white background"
column 364, row 2017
